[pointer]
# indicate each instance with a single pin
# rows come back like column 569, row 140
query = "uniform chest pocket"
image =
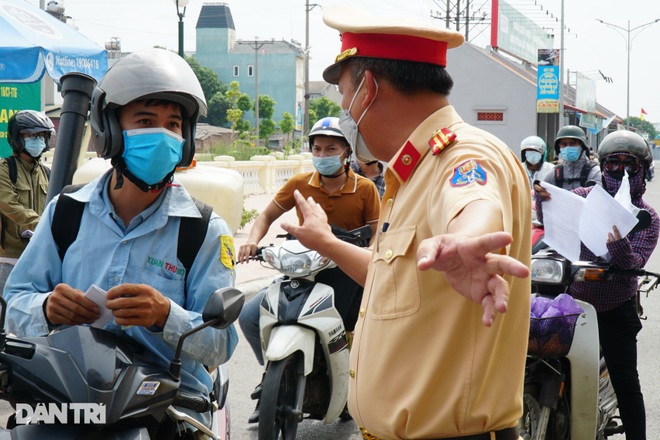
column 395, row 286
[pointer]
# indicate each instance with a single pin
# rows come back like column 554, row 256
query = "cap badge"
column 440, row 140
column 468, row 172
column 346, row 54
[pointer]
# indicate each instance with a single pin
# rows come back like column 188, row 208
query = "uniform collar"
column 405, row 161
column 349, row 187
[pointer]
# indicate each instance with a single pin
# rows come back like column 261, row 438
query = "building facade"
column 271, row 67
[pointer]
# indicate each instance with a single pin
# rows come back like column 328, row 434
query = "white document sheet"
column 97, row 295
column 561, row 216
column 600, row 214
column 570, row 219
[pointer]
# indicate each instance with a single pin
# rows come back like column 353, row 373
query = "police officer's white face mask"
column 350, row 128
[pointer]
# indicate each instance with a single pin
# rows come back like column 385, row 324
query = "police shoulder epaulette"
column 441, row 139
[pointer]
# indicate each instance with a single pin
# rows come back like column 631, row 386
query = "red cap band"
column 394, row 47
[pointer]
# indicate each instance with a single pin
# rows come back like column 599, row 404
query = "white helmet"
column 532, row 143
column 326, row 127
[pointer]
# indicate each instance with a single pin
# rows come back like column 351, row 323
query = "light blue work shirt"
column 106, row 253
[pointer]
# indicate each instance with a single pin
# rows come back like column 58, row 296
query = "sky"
column 589, row 46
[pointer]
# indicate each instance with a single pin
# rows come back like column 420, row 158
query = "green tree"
column 208, row 79
column 234, row 114
column 266, row 107
column 266, row 128
column 287, row 124
column 218, row 106
column 642, row 127
column 244, row 103
column 322, row 108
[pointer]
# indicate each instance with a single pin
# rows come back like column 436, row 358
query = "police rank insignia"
column 441, row 139
column 468, row 172
column 227, row 255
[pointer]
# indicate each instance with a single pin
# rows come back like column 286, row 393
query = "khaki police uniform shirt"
column 422, row 364
column 352, row 206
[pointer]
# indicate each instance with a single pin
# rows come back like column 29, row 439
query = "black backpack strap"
column 586, row 169
column 46, row 170
column 192, row 232
column 13, row 171
column 559, row 175
column 66, row 219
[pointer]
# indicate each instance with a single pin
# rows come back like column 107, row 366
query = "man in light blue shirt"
column 144, row 113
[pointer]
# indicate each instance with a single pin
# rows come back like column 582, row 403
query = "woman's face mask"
column 151, row 154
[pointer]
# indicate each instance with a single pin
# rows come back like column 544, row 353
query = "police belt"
column 503, row 434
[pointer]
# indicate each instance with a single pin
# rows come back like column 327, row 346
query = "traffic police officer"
column 434, row 356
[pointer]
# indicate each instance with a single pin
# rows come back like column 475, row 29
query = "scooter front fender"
column 287, row 339
column 584, row 358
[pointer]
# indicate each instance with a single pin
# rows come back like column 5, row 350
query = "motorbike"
column 303, row 339
column 85, row 382
column 568, row 393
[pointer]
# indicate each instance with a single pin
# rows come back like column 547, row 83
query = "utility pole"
column 305, row 124
column 256, row 45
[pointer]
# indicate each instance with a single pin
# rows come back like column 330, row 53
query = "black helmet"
column 28, row 121
column 624, row 141
column 571, row 132
column 147, row 74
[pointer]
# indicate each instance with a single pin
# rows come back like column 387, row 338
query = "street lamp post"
column 181, row 13
column 628, row 31
column 305, row 125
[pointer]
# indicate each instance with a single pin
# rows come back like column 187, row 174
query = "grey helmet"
column 624, row 141
column 28, row 121
column 532, row 143
column 147, row 74
column 571, row 132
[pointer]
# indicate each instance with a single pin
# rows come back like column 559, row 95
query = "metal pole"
column 561, row 121
column 629, row 39
column 181, row 35
column 305, row 125
column 628, row 78
column 256, row 90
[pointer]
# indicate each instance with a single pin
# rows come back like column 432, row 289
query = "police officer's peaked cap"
column 395, row 38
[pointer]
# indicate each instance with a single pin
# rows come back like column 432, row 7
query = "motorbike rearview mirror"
column 643, row 221
column 221, row 309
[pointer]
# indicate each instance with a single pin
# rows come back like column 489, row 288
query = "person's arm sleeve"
column 633, row 252
column 213, row 269
column 33, row 278
column 372, row 206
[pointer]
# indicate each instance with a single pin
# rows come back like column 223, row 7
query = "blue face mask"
column 327, row 165
column 35, row 146
column 533, row 157
column 570, row 154
column 151, row 153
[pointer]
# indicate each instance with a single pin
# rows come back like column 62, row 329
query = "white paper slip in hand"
column 97, row 296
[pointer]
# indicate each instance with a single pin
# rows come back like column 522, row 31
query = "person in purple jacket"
column 615, row 300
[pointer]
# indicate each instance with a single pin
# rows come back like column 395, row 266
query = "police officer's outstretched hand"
column 472, row 268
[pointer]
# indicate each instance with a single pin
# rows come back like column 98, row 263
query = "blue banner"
column 547, row 89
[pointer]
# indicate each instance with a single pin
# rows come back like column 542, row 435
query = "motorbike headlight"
column 295, row 264
column 547, row 271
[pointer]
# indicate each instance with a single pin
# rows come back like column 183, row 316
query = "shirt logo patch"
column 468, row 172
column 227, row 254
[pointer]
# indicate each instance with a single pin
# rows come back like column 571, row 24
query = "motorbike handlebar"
column 195, row 402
